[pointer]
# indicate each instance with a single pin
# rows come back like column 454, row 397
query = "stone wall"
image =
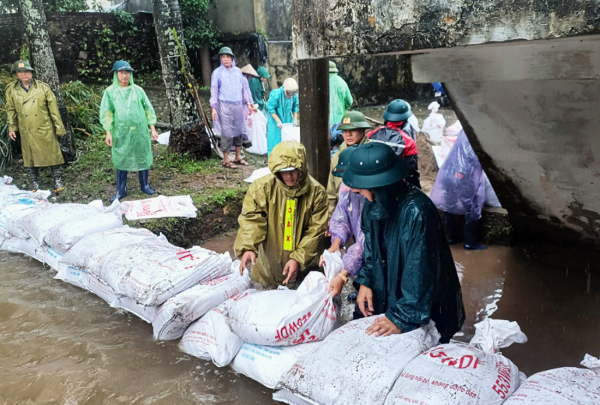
column 85, row 45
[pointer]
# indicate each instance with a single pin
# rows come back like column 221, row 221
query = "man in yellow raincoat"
column 283, row 220
column 33, row 112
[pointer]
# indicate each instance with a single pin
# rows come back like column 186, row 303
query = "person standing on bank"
column 283, row 107
column 125, row 114
column 340, row 98
column 230, row 101
column 31, row 110
column 408, row 272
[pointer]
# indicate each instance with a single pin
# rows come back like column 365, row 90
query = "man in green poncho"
column 340, row 98
column 257, row 88
column 126, row 114
column 32, row 111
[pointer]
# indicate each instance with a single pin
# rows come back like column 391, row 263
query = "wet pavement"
column 62, row 345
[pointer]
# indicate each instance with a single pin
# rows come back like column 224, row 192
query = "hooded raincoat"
column 230, row 95
column 340, row 98
column 345, row 224
column 407, row 261
column 284, row 108
column 127, row 112
column 34, row 114
column 460, row 196
column 280, row 223
column 333, row 184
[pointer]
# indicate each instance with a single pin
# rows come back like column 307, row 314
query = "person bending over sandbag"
column 283, row 220
column 408, row 272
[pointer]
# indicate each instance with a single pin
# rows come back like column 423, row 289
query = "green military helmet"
column 263, row 72
column 122, row 65
column 343, row 161
column 22, row 66
column 373, row 165
column 332, row 67
column 398, row 110
column 354, row 120
column 226, row 51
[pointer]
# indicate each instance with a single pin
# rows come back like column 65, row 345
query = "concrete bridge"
column 524, row 79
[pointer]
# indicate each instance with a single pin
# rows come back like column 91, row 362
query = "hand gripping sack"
column 285, row 317
column 89, row 251
column 266, row 364
column 152, row 272
column 211, row 338
column 457, row 373
column 566, row 385
column 177, row 313
column 351, row 367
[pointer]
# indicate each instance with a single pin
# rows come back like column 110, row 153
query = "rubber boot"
column 121, row 186
column 36, row 180
column 58, row 185
column 471, row 237
column 144, row 182
column 452, row 228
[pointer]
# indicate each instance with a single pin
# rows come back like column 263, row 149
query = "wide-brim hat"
column 249, row 70
column 226, row 51
column 343, row 161
column 122, row 65
column 354, row 120
column 398, row 110
column 374, row 165
column 22, row 66
column 263, row 72
column 333, row 67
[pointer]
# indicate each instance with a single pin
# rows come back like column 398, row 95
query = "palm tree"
column 36, row 28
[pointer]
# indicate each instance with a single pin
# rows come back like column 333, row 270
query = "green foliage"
column 83, row 106
column 223, row 197
column 7, row 146
column 197, row 25
column 65, row 5
column 185, row 164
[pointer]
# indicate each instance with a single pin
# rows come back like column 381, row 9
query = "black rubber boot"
column 471, row 237
column 452, row 227
column 56, row 175
column 144, row 182
column 121, row 186
column 36, row 180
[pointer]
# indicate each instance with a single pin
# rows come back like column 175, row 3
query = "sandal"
column 229, row 165
column 241, row 162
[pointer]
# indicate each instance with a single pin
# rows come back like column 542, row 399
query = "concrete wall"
column 234, row 16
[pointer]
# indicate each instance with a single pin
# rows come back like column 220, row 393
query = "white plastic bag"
column 351, row 367
column 89, row 251
column 151, row 272
column 258, row 174
column 457, row 373
column 454, row 129
column 257, row 129
column 290, row 133
column 159, row 207
column 284, row 317
column 333, row 264
column 211, row 338
column 434, row 124
column 566, row 385
column 266, row 364
column 66, row 234
column 177, row 313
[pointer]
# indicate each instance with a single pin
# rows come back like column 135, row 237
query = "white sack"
column 38, row 223
column 27, row 247
column 491, row 199
column 151, row 272
column 566, row 385
column 159, row 207
column 454, row 129
column 266, row 364
column 16, row 196
column 256, row 128
column 211, row 338
column 290, row 133
column 177, row 313
column 351, row 367
column 9, row 217
column 89, row 251
column 66, row 234
column 457, row 373
column 434, row 126
column 163, row 138
column 284, row 317
column 333, row 264
column 51, row 257
column 258, row 174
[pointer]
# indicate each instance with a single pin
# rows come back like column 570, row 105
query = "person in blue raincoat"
column 283, row 107
column 407, row 272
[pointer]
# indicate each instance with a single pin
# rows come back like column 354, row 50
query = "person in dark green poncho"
column 257, row 88
column 408, row 272
column 125, row 115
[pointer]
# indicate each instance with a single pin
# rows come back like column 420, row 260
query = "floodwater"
column 62, row 345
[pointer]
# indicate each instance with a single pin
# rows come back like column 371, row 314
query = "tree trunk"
column 181, row 103
column 205, row 64
column 36, row 28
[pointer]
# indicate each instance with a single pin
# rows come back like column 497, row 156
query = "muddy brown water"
column 62, row 345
